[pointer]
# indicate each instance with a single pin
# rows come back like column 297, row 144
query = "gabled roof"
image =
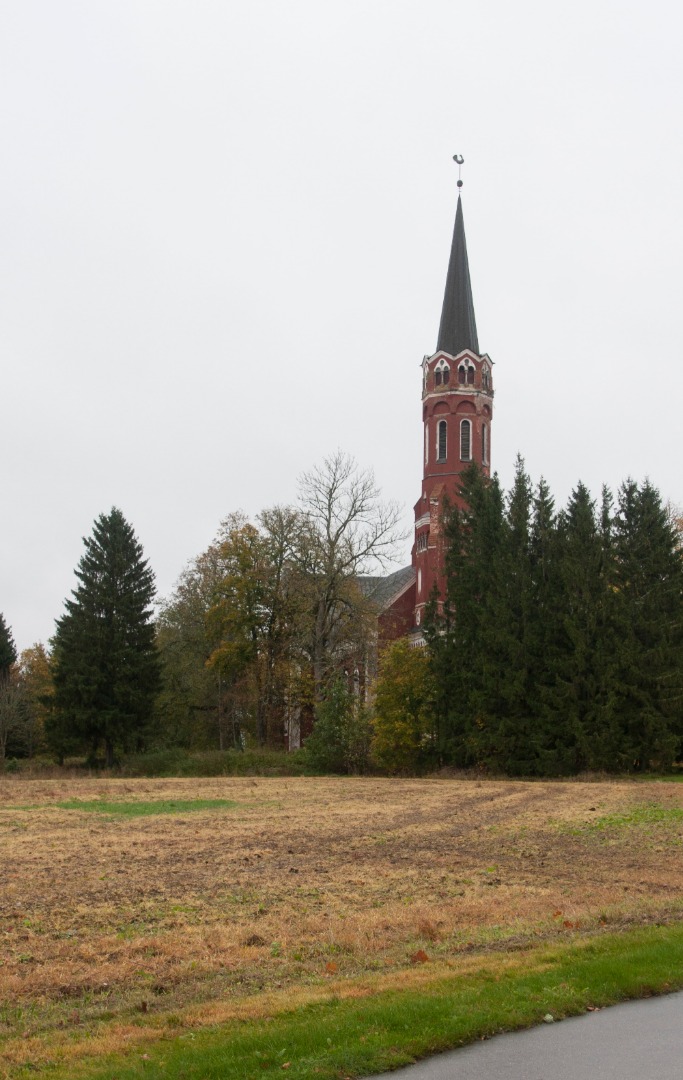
column 383, row 591
column 458, row 328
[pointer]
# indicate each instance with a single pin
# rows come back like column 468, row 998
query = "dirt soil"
column 106, row 919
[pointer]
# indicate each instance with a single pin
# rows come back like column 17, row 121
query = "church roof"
column 458, row 328
column 382, row 591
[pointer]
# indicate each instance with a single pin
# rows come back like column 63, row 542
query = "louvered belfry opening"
column 442, row 441
column 465, row 440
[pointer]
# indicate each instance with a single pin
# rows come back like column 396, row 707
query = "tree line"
column 247, row 645
column 557, row 647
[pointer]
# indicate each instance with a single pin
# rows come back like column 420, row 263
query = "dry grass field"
column 115, row 924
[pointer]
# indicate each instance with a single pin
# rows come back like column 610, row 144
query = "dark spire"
column 458, row 328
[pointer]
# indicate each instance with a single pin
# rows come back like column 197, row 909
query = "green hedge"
column 178, row 762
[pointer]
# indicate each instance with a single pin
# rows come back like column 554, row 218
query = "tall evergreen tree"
column 470, row 642
column 648, row 582
column 8, row 651
column 553, row 739
column 515, row 749
column 106, row 667
column 560, row 643
column 582, row 694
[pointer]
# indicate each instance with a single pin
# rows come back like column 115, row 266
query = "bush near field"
column 168, row 763
column 174, row 762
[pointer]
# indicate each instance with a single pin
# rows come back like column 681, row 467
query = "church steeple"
column 458, row 328
column 457, row 411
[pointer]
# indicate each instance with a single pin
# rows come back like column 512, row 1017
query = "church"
column 457, row 410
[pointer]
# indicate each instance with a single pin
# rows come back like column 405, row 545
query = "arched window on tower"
column 466, row 373
column 485, row 378
column 441, row 440
column 465, row 440
column 442, row 373
column 484, row 444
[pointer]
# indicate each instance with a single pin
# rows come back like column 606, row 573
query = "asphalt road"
column 640, row 1040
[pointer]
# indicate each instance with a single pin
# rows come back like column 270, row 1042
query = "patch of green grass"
column 646, row 814
column 119, row 808
column 643, row 816
column 351, row 1038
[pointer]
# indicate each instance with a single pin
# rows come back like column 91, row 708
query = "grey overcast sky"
column 224, row 231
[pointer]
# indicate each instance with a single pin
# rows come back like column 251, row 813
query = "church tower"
column 457, row 408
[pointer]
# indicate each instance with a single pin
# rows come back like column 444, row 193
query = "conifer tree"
column 8, row 651
column 648, row 581
column 515, row 749
column 106, row 668
column 560, row 643
column 581, row 695
column 553, row 739
column 470, row 641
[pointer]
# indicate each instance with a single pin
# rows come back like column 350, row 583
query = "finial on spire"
column 459, row 161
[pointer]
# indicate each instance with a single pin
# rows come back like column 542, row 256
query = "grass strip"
column 636, row 817
column 359, row 1036
column 145, row 809
column 647, row 814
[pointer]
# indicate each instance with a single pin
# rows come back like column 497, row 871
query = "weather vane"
column 459, row 161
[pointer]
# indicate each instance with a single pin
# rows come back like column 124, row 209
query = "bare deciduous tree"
column 348, row 531
column 273, row 608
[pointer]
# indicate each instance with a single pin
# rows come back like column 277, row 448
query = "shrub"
column 340, row 740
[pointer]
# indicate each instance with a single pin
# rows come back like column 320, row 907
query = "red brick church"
column 457, row 408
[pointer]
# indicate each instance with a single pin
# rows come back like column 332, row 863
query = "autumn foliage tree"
column 403, row 714
column 261, row 625
column 255, row 619
column 25, row 697
column 188, row 706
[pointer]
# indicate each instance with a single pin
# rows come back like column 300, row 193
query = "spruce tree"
column 582, row 693
column 8, row 651
column 442, row 631
column 469, row 644
column 560, row 644
column 516, row 750
column 648, row 583
column 553, row 738
column 106, row 668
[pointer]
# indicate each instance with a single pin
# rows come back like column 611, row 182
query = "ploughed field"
column 129, row 907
